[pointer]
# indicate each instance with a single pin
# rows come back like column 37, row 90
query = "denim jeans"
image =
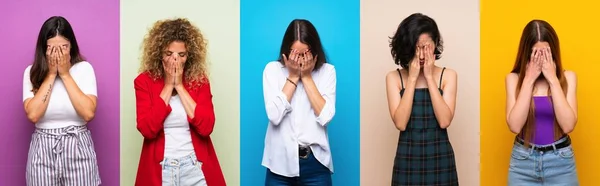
column 531, row 168
column 312, row 173
column 182, row 171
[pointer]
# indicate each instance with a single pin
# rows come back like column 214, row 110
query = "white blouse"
column 178, row 139
column 293, row 124
column 60, row 112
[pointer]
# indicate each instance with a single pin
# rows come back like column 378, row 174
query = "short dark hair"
column 52, row 27
column 403, row 43
column 304, row 31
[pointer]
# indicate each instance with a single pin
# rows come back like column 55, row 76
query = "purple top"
column 544, row 121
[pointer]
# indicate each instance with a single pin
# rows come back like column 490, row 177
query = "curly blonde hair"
column 161, row 35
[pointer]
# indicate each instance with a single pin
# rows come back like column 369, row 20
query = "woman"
column 174, row 108
column 421, row 99
column 299, row 94
column 541, row 108
column 59, row 96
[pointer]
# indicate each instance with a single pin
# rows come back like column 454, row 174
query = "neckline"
column 421, row 89
column 541, row 96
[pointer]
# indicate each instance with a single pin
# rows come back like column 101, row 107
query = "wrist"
column 294, row 78
column 306, row 77
column 553, row 81
column 179, row 87
column 169, row 86
column 428, row 77
column 65, row 75
column 412, row 78
column 51, row 76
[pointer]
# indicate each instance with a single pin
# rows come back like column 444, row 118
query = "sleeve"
column 276, row 103
column 151, row 110
column 204, row 113
column 328, row 93
column 27, row 86
column 86, row 80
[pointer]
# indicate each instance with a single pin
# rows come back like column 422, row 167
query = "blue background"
column 263, row 24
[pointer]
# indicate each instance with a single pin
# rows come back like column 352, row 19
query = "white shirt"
column 60, row 112
column 295, row 123
column 178, row 139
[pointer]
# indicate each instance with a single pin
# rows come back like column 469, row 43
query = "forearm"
column 565, row 115
column 442, row 112
column 83, row 104
column 166, row 93
column 36, row 106
column 317, row 102
column 289, row 88
column 404, row 109
column 189, row 104
column 520, row 111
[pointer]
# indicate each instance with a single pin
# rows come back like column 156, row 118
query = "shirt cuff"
column 326, row 114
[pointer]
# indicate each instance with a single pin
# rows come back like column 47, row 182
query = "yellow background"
column 219, row 22
column 576, row 24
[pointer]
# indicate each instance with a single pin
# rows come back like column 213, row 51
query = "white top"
column 60, row 112
column 295, row 123
column 178, row 139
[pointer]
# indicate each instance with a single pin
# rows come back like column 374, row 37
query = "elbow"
column 145, row 131
column 446, row 120
column 514, row 129
column 274, row 118
column 569, row 128
column 146, row 134
column 206, row 127
column 401, row 126
column 33, row 117
column 444, row 124
column 89, row 117
column 325, row 117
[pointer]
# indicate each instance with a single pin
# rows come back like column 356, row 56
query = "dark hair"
column 537, row 31
column 54, row 26
column 403, row 43
column 304, row 31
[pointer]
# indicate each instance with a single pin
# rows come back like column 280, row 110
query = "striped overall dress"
column 424, row 155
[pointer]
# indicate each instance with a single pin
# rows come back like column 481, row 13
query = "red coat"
column 151, row 113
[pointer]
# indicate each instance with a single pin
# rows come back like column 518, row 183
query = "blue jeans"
column 312, row 173
column 182, row 171
column 531, row 168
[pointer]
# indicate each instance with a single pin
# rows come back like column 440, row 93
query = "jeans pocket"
column 519, row 154
column 566, row 153
column 198, row 165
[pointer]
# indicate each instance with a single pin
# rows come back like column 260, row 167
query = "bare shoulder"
column 570, row 75
column 450, row 73
column 512, row 77
column 392, row 76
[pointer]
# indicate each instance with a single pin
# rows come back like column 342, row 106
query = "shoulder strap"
column 401, row 81
column 441, row 76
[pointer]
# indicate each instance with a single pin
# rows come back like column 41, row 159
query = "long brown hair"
column 52, row 27
column 537, row 31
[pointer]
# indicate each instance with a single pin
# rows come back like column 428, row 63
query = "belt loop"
column 531, row 149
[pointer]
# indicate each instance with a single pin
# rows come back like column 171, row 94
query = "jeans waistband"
column 181, row 161
column 563, row 142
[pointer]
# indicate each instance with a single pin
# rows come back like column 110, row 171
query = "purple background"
column 96, row 26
